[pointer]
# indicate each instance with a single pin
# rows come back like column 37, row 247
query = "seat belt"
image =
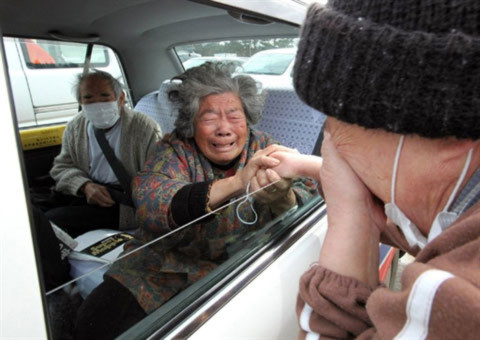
column 123, row 177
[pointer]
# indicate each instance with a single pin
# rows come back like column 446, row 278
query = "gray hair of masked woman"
column 117, row 87
column 213, row 78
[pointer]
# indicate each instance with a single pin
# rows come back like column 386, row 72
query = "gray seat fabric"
column 157, row 106
column 168, row 110
column 149, row 105
column 290, row 121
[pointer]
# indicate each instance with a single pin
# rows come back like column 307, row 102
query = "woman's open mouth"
column 223, row 146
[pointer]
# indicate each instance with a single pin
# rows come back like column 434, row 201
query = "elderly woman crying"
column 212, row 156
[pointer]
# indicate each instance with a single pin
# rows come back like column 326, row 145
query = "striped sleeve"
column 433, row 304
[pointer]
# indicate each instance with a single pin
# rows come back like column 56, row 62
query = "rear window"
column 236, row 52
column 268, row 63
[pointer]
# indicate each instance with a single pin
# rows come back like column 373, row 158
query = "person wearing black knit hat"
column 400, row 83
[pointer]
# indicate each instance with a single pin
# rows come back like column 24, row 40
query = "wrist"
column 83, row 187
column 236, row 183
column 353, row 225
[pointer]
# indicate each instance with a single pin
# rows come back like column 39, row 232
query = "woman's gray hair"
column 114, row 83
column 213, row 78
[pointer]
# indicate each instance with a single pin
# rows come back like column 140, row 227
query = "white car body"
column 282, row 78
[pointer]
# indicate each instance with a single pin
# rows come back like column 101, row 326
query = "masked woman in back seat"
column 90, row 194
column 210, row 158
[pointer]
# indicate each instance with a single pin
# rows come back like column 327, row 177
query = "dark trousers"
column 107, row 312
column 80, row 217
column 73, row 214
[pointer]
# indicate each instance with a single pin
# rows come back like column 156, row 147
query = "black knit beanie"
column 406, row 66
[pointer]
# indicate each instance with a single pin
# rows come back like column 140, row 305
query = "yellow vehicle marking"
column 42, row 137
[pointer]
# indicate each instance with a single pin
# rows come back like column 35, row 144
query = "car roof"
column 141, row 31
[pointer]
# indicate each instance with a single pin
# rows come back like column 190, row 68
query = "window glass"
column 268, row 63
column 232, row 48
column 240, row 252
column 43, row 72
column 267, row 60
column 176, row 265
column 95, row 252
column 48, row 54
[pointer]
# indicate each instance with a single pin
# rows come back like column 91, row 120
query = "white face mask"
column 102, row 115
column 442, row 221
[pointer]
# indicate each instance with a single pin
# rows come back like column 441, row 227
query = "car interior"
column 148, row 38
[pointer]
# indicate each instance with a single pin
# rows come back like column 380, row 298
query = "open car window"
column 43, row 72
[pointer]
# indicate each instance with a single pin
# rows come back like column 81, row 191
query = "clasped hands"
column 346, row 194
column 269, row 169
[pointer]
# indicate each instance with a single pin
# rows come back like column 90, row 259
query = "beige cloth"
column 139, row 137
column 444, row 280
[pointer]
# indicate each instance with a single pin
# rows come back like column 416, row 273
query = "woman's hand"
column 290, row 163
column 348, row 198
column 279, row 196
column 224, row 189
column 97, row 194
column 294, row 164
column 260, row 160
column 355, row 219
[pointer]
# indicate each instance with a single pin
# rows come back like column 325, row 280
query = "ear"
column 121, row 100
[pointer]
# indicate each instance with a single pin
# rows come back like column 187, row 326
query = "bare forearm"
column 351, row 249
column 309, row 166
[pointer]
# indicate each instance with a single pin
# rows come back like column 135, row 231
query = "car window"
column 194, row 62
column 241, row 252
column 42, row 73
column 96, row 253
column 268, row 63
column 48, row 54
column 247, row 228
column 236, row 52
column 234, row 62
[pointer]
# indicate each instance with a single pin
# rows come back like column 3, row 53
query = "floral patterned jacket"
column 157, row 272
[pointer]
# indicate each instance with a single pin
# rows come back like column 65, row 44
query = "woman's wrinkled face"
column 95, row 90
column 220, row 127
